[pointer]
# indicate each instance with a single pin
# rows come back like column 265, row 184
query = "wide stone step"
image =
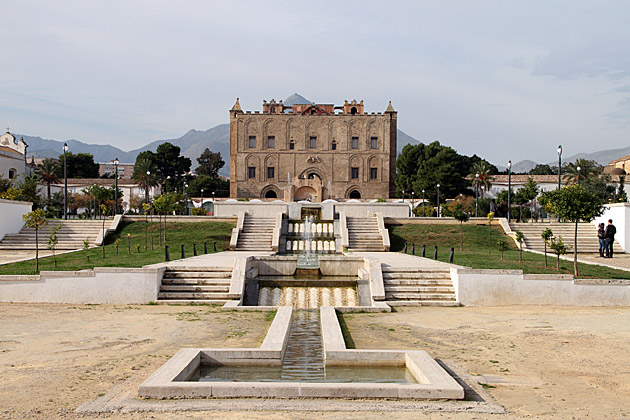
column 192, row 295
column 196, row 269
column 419, row 289
column 422, row 303
column 192, row 301
column 200, row 282
column 417, row 275
column 418, row 282
column 419, row 296
column 197, row 275
column 193, row 288
column 438, row 269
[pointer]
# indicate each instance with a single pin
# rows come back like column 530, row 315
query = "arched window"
column 271, row 194
column 333, row 146
column 354, row 194
column 291, row 145
column 353, row 110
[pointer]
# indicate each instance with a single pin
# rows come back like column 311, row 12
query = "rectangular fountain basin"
column 178, row 378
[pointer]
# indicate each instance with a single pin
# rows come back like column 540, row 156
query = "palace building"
column 312, row 152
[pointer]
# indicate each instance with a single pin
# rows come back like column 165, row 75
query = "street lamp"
column 413, row 201
column 476, row 195
column 438, row 200
column 403, row 191
column 578, row 174
column 559, row 166
column 186, row 197
column 65, row 181
column 116, row 187
column 202, row 198
column 509, row 189
column 146, row 190
column 422, row 203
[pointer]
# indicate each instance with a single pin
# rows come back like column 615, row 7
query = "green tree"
column 47, row 172
column 170, row 163
column 490, row 217
column 482, row 174
column 588, row 169
column 104, row 212
column 621, row 192
column 165, row 204
column 28, row 187
column 572, row 203
column 529, row 192
column 543, row 169
column 461, row 216
column 546, row 235
column 422, row 167
column 520, row 238
column 559, row 248
column 35, row 220
column 80, row 165
column 53, row 241
column 145, row 173
column 209, row 163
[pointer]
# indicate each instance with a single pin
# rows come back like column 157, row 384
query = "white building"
column 13, row 157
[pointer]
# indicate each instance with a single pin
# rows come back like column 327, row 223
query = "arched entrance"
column 271, row 194
column 305, row 193
column 354, row 194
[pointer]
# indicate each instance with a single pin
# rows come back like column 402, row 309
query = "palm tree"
column 46, row 171
column 588, row 169
column 481, row 173
column 145, row 174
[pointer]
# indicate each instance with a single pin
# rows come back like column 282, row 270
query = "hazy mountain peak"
column 296, row 98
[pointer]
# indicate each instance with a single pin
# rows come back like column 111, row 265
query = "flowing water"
column 307, row 297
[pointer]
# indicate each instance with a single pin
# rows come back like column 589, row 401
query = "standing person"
column 601, row 235
column 609, row 234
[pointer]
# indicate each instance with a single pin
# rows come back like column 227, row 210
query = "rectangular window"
column 291, row 145
column 354, row 173
column 355, row 142
column 374, row 143
column 373, row 173
column 313, row 143
column 252, row 142
column 271, row 172
column 334, row 145
column 251, row 172
column 271, row 142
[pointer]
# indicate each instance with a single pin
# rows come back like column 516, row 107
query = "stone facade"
column 312, row 152
column 13, row 157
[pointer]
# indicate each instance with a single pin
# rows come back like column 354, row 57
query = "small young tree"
column 146, row 207
column 621, row 192
column 104, row 211
column 573, row 203
column 86, row 246
column 529, row 192
column 461, row 216
column 116, row 244
column 490, row 217
column 503, row 246
column 36, row 219
column 559, row 248
column 546, row 234
column 520, row 238
column 53, row 241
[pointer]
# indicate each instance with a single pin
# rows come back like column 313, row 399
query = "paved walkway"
column 220, row 259
column 7, row 257
column 398, row 259
column 620, row 261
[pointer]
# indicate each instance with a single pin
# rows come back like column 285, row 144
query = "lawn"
column 475, row 253
column 131, row 249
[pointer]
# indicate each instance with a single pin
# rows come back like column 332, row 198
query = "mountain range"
column 217, row 139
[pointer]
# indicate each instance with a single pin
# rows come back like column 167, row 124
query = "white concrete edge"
column 278, row 334
column 237, row 281
column 383, row 231
column 375, row 273
column 332, row 337
column 345, row 239
column 277, row 230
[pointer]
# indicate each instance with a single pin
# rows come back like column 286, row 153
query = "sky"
column 507, row 80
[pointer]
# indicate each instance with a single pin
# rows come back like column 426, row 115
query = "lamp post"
column 65, row 181
column 559, row 166
column 422, row 203
column 413, row 202
column 116, row 186
column 403, row 191
column 476, row 195
column 509, row 216
column 186, row 197
column 438, row 200
column 578, row 174
column 202, row 198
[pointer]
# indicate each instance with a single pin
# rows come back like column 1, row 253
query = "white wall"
column 370, row 209
column 511, row 287
column 260, row 209
column 620, row 215
column 11, row 213
column 101, row 285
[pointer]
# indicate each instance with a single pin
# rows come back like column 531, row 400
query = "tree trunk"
column 489, row 237
column 558, row 263
column 520, row 257
column 501, row 254
column 36, row 249
column 103, row 243
column 545, row 253
column 575, row 250
column 461, row 232
column 48, row 186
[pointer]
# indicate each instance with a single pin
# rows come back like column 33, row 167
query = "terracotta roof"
column 540, row 179
column 107, row 182
column 621, row 159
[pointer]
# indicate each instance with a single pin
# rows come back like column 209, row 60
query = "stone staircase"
column 256, row 234
column 195, row 285
column 413, row 286
column 363, row 234
column 71, row 235
column 587, row 236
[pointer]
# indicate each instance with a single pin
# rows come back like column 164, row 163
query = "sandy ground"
column 538, row 362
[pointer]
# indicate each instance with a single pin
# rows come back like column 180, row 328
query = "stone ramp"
column 587, row 236
column 71, row 235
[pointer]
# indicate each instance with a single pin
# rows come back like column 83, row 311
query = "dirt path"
column 549, row 363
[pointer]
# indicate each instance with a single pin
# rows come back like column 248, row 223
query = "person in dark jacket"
column 609, row 234
column 601, row 235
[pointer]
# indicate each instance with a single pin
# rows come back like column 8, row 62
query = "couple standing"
column 606, row 238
